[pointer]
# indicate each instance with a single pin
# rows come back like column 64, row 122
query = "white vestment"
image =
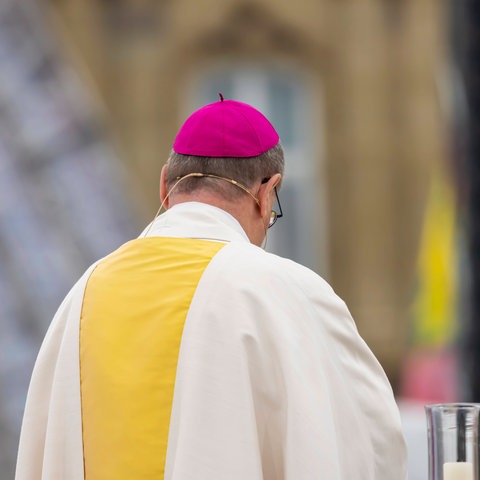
column 273, row 380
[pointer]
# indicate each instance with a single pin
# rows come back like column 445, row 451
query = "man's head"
column 237, row 159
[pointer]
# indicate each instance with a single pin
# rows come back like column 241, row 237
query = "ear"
column 163, row 186
column 265, row 197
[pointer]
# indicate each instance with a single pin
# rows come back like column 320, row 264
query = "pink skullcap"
column 226, row 128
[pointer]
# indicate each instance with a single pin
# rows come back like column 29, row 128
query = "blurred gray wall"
column 64, row 200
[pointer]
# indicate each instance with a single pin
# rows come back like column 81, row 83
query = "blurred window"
column 284, row 96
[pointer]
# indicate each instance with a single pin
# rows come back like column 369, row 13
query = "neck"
column 244, row 211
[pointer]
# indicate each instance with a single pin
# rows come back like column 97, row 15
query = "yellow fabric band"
column 133, row 314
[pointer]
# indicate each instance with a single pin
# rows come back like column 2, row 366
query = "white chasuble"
column 191, row 354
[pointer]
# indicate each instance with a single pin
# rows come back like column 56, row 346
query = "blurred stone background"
column 371, row 101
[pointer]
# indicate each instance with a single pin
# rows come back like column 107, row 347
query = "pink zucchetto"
column 226, row 128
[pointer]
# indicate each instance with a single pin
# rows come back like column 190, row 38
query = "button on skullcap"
column 226, row 128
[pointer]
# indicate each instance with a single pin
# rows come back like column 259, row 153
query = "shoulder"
column 243, row 264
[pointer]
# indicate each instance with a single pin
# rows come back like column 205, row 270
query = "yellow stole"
column 133, row 314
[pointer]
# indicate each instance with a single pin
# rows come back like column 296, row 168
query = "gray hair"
column 246, row 171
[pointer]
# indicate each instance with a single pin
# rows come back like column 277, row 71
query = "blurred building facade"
column 355, row 88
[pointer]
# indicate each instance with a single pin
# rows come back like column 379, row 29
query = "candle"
column 457, row 471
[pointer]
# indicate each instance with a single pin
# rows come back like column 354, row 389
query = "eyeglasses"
column 273, row 214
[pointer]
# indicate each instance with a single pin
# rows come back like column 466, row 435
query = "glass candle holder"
column 453, row 447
